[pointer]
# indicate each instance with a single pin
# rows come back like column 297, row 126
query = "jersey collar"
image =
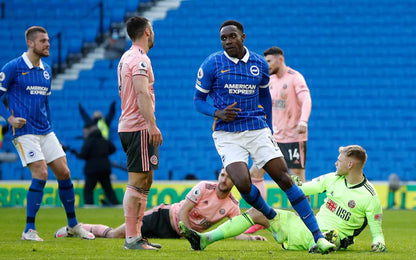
column 357, row 185
column 29, row 63
column 236, row 60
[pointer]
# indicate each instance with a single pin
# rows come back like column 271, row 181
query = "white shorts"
column 32, row 148
column 237, row 146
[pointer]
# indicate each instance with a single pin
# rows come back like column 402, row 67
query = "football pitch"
column 399, row 228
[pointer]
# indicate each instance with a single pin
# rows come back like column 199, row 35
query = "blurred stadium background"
column 358, row 58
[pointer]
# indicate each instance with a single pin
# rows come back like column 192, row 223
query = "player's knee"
column 64, row 174
column 42, row 175
column 284, row 181
column 39, row 171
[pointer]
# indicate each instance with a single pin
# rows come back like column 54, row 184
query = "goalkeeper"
column 351, row 204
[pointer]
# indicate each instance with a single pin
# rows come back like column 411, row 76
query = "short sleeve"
column 206, row 75
column 196, row 192
column 299, row 83
column 7, row 76
column 141, row 67
column 265, row 74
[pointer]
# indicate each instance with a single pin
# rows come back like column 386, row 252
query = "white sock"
column 132, row 239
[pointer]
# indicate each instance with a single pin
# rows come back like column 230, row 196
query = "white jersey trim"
column 264, row 86
column 236, row 60
column 29, row 63
column 201, row 89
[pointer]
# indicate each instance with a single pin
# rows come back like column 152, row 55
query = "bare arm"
column 141, row 84
column 183, row 213
column 250, row 237
column 305, row 99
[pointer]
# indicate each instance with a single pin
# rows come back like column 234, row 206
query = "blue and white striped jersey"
column 228, row 80
column 28, row 88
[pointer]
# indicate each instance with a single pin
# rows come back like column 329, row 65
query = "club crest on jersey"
column 200, row 73
column 31, row 154
column 377, row 217
column 351, row 204
column 2, row 76
column 153, row 159
column 254, row 70
column 46, row 75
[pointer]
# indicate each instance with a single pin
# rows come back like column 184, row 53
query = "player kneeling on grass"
column 205, row 205
column 351, row 203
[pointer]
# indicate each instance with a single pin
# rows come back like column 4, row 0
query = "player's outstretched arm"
column 374, row 214
column 250, row 237
column 183, row 213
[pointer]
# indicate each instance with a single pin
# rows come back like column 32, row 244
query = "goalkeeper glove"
column 378, row 247
column 296, row 179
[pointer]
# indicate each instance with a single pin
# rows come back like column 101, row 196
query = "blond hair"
column 354, row 151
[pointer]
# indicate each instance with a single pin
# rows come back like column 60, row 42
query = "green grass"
column 399, row 230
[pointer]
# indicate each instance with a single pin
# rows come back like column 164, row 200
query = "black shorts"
column 294, row 154
column 156, row 223
column 141, row 155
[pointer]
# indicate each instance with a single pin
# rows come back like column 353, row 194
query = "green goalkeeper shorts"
column 298, row 236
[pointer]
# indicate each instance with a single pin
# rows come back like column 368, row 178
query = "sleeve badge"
column 200, row 73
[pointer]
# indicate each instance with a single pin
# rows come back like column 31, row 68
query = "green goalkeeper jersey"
column 347, row 208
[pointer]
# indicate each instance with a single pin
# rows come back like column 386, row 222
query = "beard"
column 40, row 52
column 223, row 188
column 274, row 71
column 150, row 42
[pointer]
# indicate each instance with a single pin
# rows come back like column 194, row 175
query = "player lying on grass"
column 205, row 205
column 351, row 203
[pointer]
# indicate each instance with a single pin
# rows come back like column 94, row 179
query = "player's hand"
column 296, row 179
column 257, row 237
column 16, row 122
column 378, row 247
column 229, row 113
column 155, row 136
column 302, row 127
